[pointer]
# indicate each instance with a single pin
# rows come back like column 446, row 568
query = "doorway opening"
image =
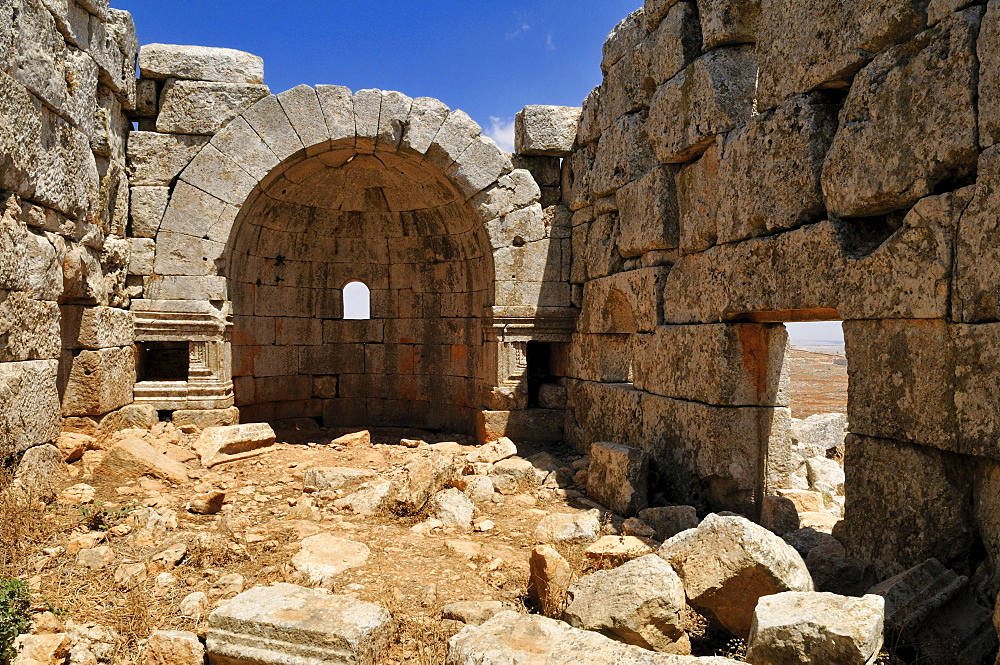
column 162, row 361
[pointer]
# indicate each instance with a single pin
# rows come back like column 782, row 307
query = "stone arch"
column 314, row 160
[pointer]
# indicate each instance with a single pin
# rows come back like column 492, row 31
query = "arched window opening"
column 357, row 301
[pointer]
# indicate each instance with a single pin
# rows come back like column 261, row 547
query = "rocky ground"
column 819, row 382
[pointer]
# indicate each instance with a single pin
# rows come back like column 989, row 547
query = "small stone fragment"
column 208, row 503
column 173, row 647
column 324, row 556
column 570, row 528
column 549, row 580
column 452, row 508
column 494, row 451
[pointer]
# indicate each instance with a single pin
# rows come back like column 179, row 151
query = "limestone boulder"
column 285, row 623
column 322, row 478
column 515, row 475
column 423, row 477
column 548, row 131
column 825, row 475
column 134, row 457
column 479, row 489
column 46, row 649
column 452, row 508
column 640, row 603
column 39, row 472
column 813, row 627
column 525, row 639
column 569, row 528
column 200, row 63
column 728, row 563
column 833, row 570
column 323, row 557
column 217, row 445
column 891, row 148
column 816, row 435
column 779, row 515
column 494, row 451
column 618, row 477
column 173, row 647
column 369, row 498
column 206, row 503
column 549, row 580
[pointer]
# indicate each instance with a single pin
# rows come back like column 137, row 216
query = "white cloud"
column 549, row 44
column 502, row 131
column 521, row 29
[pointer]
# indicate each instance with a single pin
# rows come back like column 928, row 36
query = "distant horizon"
column 814, row 332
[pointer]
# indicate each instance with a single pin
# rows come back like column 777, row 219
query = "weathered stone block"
column 670, row 46
column 510, row 637
column 96, row 327
column 815, row 267
column 547, row 131
column 180, row 287
column 218, row 445
column 133, row 457
column 623, row 38
column 270, row 625
column 618, row 477
column 201, row 63
column 31, row 405
column 605, row 358
column 623, row 303
column 728, row 563
column 893, row 148
column 726, row 22
column 202, row 107
column 302, row 107
column 142, row 252
column 67, row 171
column 976, row 296
column 157, row 159
column 623, row 155
column 726, row 365
column 697, row 200
column 713, row 95
column 823, row 627
column 647, row 213
column 804, row 47
column 268, row 119
column 885, row 525
column 793, row 141
column 205, row 418
column 988, row 52
column 902, row 381
column 99, row 382
column 975, row 352
column 640, row 602
column 20, row 137
column 29, row 328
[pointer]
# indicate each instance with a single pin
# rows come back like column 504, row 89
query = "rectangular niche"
column 163, row 361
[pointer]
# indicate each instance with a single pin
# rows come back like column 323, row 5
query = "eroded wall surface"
column 754, row 162
column 67, row 83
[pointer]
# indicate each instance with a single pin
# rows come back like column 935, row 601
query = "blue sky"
column 486, row 58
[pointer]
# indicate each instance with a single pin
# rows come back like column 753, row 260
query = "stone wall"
column 67, row 87
column 751, row 162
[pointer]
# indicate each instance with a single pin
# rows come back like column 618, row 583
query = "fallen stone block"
column 818, row 433
column 134, row 457
column 49, row 649
column 321, row 478
column 494, row 451
column 618, row 477
column 833, row 570
column 815, row 627
column 515, row 475
column 207, row 503
column 549, row 580
column 452, row 508
column 423, row 478
column 173, row 647
column 362, row 438
column 569, row 528
column 324, row 556
column 218, row 445
column 779, row 514
column 38, row 473
column 510, row 638
column 369, row 498
column 640, row 603
column 285, row 623
column 916, row 593
column 728, row 563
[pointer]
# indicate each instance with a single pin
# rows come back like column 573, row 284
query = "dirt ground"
column 412, row 571
column 819, row 383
